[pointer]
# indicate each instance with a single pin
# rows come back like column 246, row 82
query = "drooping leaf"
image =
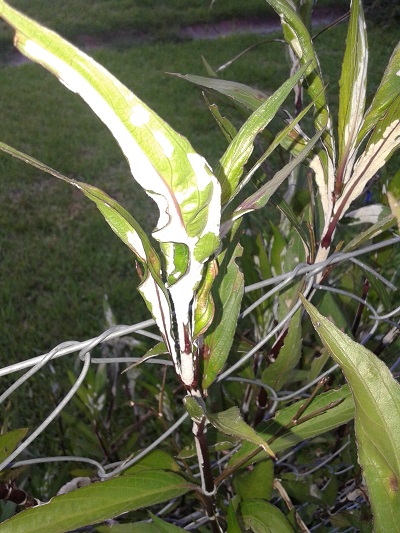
column 327, row 411
column 262, row 517
column 352, row 87
column 232, row 423
column 278, row 372
column 162, row 162
column 225, row 125
column 98, row 502
column 10, row 440
column 130, row 232
column 227, row 293
column 377, row 418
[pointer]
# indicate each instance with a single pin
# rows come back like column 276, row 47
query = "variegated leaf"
column 298, row 38
column 162, row 162
column 388, row 90
column 383, row 142
column 352, row 92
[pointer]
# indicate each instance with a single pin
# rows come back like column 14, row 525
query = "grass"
column 58, row 256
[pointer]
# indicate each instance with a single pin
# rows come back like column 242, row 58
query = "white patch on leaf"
column 136, row 243
column 165, row 143
column 368, row 164
column 139, row 116
column 368, row 214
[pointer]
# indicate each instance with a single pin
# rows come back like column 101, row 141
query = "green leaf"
column 260, row 198
column 158, row 349
column 10, row 440
column 327, row 411
column 232, row 163
column 155, row 460
column 278, row 372
column 204, row 303
column 388, row 91
column 377, row 418
column 98, row 502
column 225, row 125
column 238, row 92
column 262, row 517
column 227, row 293
column 193, row 407
column 233, row 522
column 352, row 86
column 255, row 483
column 164, row 527
column 232, row 423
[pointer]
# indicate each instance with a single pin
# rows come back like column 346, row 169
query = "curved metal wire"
column 305, row 271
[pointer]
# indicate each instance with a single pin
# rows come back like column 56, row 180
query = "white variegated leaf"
column 352, row 90
column 163, row 162
column 368, row 214
column 383, row 142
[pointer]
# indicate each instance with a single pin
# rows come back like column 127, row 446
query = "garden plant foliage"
column 211, row 241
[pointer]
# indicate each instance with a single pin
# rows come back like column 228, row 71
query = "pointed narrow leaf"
column 352, row 85
column 227, row 291
column 237, row 92
column 231, row 164
column 98, row 502
column 262, row 517
column 298, row 38
column 232, row 423
column 377, row 418
column 164, row 527
column 158, row 349
column 261, row 197
column 290, row 138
